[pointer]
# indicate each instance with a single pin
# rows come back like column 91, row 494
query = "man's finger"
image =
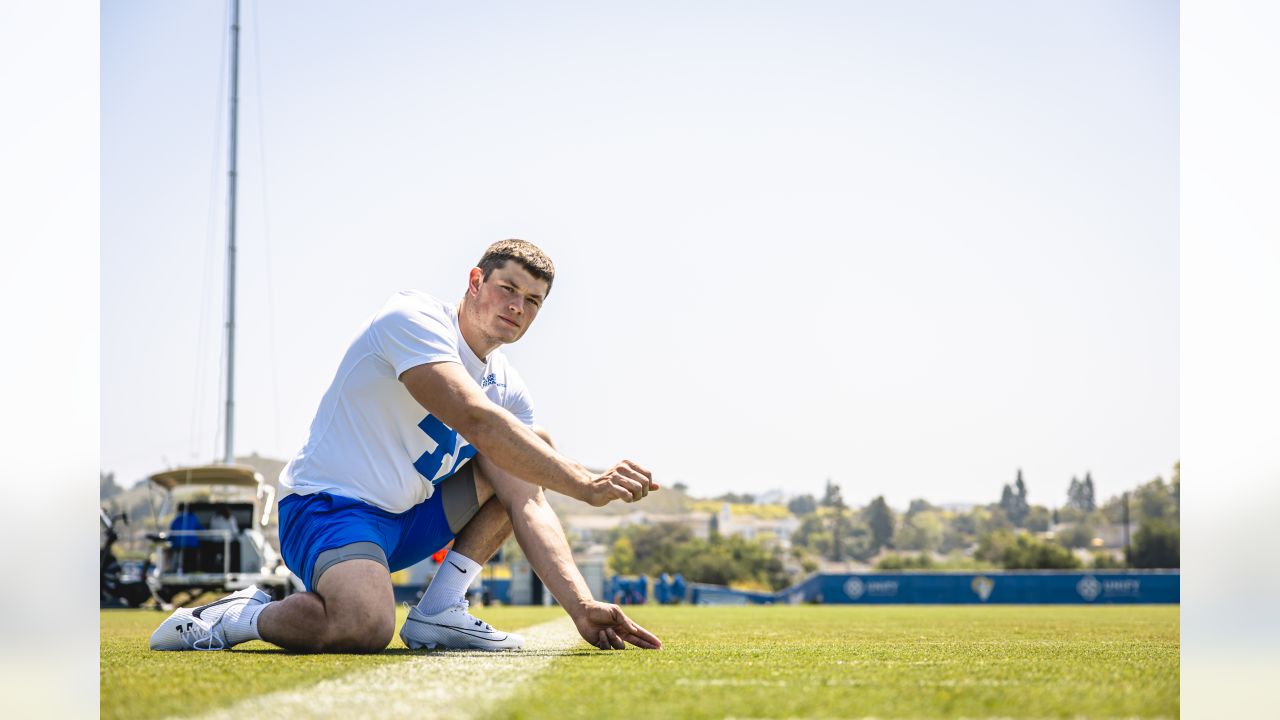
column 633, row 486
column 650, row 484
column 621, row 491
column 642, row 480
column 602, row 641
column 642, row 638
column 638, row 468
column 615, row 641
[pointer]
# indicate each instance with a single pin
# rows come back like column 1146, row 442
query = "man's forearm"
column 538, row 531
column 516, row 449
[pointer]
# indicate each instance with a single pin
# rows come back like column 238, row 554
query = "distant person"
column 186, row 547
column 425, row 435
column 678, row 589
column 224, row 520
column 662, row 589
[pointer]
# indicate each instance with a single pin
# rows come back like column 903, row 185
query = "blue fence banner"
column 945, row 588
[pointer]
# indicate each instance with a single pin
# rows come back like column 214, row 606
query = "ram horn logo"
column 983, row 586
column 1089, row 588
column 854, row 588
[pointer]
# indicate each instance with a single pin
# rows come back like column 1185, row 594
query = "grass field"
column 775, row 662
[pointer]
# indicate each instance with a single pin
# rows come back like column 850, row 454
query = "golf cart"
column 221, row 536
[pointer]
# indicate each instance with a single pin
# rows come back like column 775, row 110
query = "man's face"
column 507, row 302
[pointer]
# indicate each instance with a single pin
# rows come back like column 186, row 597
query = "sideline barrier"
column 944, row 588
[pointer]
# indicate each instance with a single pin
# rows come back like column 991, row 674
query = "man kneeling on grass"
column 426, row 435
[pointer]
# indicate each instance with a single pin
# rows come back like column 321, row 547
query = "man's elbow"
column 542, row 433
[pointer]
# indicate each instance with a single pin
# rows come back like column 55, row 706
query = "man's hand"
column 605, row 626
column 626, row 481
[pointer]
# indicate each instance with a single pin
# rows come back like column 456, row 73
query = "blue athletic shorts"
column 313, row 524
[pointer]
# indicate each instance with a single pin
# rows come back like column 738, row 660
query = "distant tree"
column 1077, row 535
column 831, row 495
column 839, row 527
column 681, row 487
column 1038, row 518
column 1106, row 561
column 1027, row 553
column 736, row 498
column 107, row 487
column 895, row 561
column 857, row 543
column 1013, row 500
column 1075, row 495
column 1155, row 501
column 1155, row 545
column 880, row 519
column 922, row 531
column 1175, row 488
column 1088, row 502
column 802, row 505
column 672, row 548
column 1007, row 500
column 919, row 505
column 1020, row 494
column 817, row 532
column 622, row 557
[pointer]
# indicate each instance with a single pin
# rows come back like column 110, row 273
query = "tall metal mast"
column 229, row 454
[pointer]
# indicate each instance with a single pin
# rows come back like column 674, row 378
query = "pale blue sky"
column 908, row 246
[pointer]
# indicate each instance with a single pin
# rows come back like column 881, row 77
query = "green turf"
column 904, row 661
column 138, row 684
column 805, row 661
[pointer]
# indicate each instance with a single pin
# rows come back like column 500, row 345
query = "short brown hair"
column 529, row 256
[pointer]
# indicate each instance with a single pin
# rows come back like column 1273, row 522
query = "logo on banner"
column 983, row 586
column 1089, row 588
column 854, row 588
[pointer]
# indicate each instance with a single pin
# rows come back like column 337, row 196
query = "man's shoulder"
column 415, row 307
column 419, row 301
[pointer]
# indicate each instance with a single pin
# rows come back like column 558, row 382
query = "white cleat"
column 455, row 629
column 201, row 628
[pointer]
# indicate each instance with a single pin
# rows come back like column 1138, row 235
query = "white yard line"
column 431, row 685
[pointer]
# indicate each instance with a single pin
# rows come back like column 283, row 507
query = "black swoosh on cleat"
column 202, row 608
column 464, row 632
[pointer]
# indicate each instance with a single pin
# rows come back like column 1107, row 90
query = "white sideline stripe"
column 439, row 684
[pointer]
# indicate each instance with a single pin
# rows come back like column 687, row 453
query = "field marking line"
column 440, row 684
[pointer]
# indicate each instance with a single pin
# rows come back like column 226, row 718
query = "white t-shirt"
column 370, row 439
column 225, row 523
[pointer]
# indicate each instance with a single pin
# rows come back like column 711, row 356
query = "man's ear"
column 473, row 282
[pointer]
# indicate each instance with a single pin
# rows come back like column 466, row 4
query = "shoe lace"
column 465, row 606
column 199, row 636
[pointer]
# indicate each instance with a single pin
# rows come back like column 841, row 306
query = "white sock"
column 241, row 622
column 450, row 583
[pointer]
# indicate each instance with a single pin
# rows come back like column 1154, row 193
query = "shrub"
column 1155, row 545
column 906, row 562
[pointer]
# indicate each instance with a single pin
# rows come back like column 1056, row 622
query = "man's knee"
column 510, row 490
column 368, row 632
column 359, row 607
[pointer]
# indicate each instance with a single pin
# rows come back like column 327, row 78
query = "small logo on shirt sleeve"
column 491, row 379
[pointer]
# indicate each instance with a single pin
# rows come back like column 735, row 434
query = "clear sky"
column 908, row 246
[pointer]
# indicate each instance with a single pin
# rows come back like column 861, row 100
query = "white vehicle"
column 221, row 534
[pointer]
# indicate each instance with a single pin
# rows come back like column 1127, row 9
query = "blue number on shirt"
column 446, row 446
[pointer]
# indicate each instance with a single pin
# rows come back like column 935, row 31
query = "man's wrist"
column 578, row 607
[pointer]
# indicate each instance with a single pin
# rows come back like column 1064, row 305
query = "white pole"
column 229, row 454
